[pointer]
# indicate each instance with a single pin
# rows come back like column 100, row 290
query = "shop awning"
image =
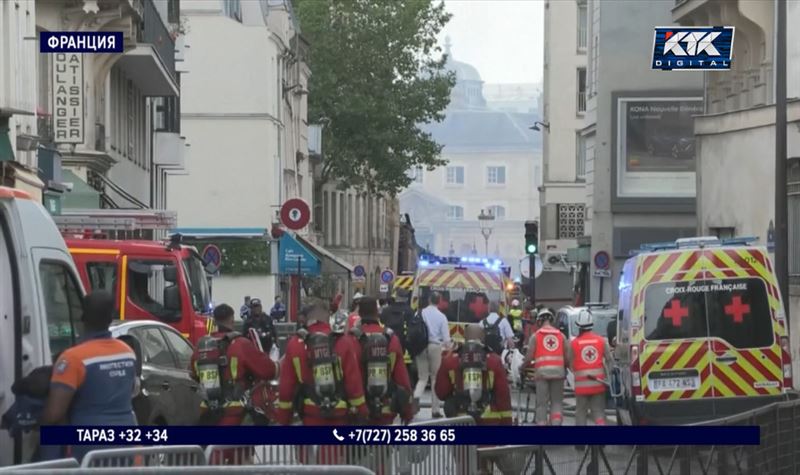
column 82, row 196
column 330, row 263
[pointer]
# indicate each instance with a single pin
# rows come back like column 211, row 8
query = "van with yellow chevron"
column 701, row 332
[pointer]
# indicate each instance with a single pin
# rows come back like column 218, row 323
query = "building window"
column 499, row 212
column 232, row 9
column 581, row 90
column 455, row 175
column 570, row 220
column 793, row 190
column 416, row 174
column 455, row 213
column 580, row 157
column 582, row 25
column 173, row 11
column 496, row 175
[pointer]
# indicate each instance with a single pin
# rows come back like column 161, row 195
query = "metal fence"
column 210, row 470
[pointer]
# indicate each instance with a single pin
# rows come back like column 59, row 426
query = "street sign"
column 295, row 214
column 212, row 257
column 359, row 271
column 602, row 260
column 384, row 288
column 602, row 273
column 387, row 276
column 524, row 267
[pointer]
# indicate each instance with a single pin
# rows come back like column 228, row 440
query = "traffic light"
column 531, row 237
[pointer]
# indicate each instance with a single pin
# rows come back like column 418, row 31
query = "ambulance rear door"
column 676, row 357
column 742, row 306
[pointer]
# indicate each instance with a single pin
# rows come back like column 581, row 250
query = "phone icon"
column 338, row 437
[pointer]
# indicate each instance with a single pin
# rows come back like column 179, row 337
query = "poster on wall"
column 656, row 147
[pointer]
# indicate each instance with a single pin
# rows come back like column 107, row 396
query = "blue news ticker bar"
column 401, row 435
column 80, row 42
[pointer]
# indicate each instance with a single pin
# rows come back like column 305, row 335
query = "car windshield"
column 734, row 310
column 602, row 317
column 198, row 284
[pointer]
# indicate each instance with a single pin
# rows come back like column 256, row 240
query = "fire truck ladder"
column 123, row 223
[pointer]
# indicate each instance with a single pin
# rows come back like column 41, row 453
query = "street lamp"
column 485, row 220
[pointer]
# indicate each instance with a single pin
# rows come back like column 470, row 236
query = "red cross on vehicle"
column 676, row 312
column 479, row 308
column 737, row 309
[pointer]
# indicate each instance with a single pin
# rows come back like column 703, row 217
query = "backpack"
column 416, row 335
column 211, row 363
column 325, row 389
column 493, row 339
column 375, row 358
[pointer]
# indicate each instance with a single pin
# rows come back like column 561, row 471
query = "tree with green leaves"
column 376, row 76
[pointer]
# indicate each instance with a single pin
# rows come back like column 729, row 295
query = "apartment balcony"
column 684, row 9
column 581, row 101
column 151, row 62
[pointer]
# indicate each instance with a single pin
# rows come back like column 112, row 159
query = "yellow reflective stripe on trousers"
column 298, row 370
column 490, row 414
column 357, row 401
column 285, row 404
column 234, row 365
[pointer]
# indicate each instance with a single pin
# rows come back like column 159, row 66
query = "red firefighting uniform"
column 247, row 366
column 398, row 374
column 296, row 373
column 449, row 380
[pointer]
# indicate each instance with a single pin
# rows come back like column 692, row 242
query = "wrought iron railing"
column 156, row 33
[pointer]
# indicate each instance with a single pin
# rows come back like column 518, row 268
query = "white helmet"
column 585, row 320
column 358, row 296
column 515, row 303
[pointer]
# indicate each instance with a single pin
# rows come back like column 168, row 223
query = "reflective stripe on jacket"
column 549, row 354
column 588, row 350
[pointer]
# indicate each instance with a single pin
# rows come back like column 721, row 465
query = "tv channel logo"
column 698, row 48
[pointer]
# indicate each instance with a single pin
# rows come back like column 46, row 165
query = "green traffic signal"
column 531, row 248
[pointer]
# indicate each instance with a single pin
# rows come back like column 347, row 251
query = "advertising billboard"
column 656, row 147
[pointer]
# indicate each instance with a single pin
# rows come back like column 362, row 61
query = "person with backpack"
column 430, row 359
column 497, row 330
column 227, row 365
column 473, row 381
column 320, row 375
column 386, row 383
column 398, row 314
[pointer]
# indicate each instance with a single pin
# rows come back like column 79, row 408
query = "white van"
column 40, row 302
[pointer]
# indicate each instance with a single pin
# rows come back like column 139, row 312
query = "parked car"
column 167, row 395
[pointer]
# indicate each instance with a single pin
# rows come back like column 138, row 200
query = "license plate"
column 673, row 384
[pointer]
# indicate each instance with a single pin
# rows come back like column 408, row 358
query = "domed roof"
column 464, row 71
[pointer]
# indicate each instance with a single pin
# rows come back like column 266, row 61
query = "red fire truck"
column 150, row 279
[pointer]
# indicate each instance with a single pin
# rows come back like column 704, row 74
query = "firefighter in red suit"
column 387, row 385
column 320, row 373
column 243, row 367
column 473, row 381
column 228, row 365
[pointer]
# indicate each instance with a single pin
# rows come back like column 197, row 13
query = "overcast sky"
column 503, row 39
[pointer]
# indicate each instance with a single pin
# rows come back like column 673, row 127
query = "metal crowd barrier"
column 49, row 465
column 210, row 470
column 160, row 456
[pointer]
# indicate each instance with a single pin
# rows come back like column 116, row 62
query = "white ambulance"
column 40, row 302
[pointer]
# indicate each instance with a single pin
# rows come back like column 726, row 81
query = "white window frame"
column 455, row 183
column 450, row 217
column 496, row 206
column 489, row 174
column 583, row 26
